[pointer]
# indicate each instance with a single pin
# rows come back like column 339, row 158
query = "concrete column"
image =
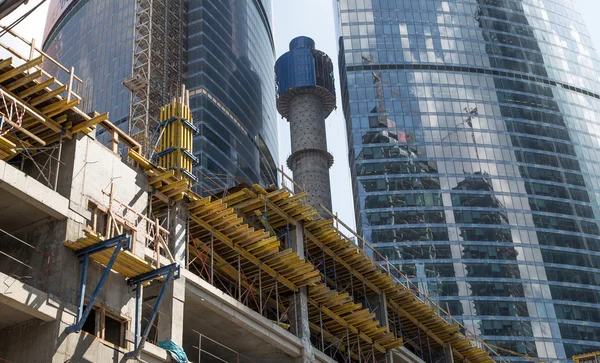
column 378, row 304
column 448, row 353
column 170, row 320
column 299, row 312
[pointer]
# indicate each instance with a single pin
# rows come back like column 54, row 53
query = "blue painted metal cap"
column 302, row 42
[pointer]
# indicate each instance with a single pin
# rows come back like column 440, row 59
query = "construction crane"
column 157, row 69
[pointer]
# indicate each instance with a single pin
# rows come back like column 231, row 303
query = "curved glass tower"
column 474, row 137
column 230, row 75
column 231, row 60
column 95, row 37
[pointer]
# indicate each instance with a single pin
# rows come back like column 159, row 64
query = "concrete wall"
column 35, row 341
column 89, row 168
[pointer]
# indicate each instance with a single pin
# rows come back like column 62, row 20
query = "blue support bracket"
column 172, row 272
column 122, row 242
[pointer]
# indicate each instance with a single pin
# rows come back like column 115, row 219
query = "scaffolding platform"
column 48, row 108
column 354, row 268
column 238, row 243
column 126, row 264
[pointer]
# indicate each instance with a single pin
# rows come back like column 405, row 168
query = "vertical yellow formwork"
column 175, row 148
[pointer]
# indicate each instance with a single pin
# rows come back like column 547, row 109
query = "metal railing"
column 74, row 82
column 22, row 260
column 209, row 350
column 392, row 271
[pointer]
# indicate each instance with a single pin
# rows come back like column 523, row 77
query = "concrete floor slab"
column 239, row 329
column 24, row 200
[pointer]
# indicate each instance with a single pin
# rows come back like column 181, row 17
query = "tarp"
column 177, row 353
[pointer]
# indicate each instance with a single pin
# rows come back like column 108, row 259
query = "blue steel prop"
column 172, row 272
column 122, row 242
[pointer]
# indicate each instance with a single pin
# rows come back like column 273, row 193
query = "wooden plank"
column 7, row 143
column 127, row 140
column 59, row 107
column 35, row 89
column 91, row 122
column 22, row 68
column 6, row 62
column 138, row 158
column 24, row 80
column 166, row 175
column 47, row 96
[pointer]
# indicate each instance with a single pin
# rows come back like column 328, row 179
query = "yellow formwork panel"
column 325, row 239
column 176, row 144
column 221, row 222
column 127, row 264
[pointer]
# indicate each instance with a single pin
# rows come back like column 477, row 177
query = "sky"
column 313, row 18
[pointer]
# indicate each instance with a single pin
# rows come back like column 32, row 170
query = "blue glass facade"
column 96, row 37
column 230, row 76
column 474, row 138
column 231, row 79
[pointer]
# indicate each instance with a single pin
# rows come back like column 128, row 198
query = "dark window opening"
column 90, row 323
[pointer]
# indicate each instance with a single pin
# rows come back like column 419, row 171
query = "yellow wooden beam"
column 166, row 175
column 5, row 62
column 35, row 89
column 91, row 122
column 137, row 157
column 47, row 96
column 247, row 255
column 24, row 80
column 7, row 143
column 22, row 68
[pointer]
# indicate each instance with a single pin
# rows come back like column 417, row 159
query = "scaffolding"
column 157, row 67
column 240, row 242
column 587, row 358
column 46, row 109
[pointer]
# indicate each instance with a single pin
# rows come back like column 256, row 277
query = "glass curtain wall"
column 96, row 37
column 474, row 138
column 231, row 64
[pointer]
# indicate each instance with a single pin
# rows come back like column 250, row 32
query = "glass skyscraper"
column 231, row 60
column 230, row 75
column 474, row 145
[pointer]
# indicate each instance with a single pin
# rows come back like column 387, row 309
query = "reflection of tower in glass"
column 306, row 96
column 498, row 100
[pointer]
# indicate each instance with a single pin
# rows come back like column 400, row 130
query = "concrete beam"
column 403, row 355
column 32, row 191
column 238, row 314
column 29, row 300
column 299, row 312
column 448, row 353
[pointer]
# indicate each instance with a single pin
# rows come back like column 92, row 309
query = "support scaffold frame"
column 122, row 242
column 170, row 272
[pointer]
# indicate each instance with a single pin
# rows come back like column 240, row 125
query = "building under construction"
column 106, row 255
column 136, row 54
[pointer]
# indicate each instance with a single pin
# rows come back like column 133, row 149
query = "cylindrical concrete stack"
column 306, row 96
